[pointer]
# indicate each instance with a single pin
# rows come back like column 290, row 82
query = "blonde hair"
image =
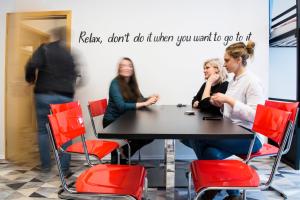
column 242, row 50
column 217, row 64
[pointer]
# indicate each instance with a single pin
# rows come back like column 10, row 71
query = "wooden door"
column 20, row 118
column 21, row 137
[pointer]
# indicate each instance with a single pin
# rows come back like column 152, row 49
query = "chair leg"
column 119, row 155
column 189, row 186
column 244, row 195
column 140, row 156
column 279, row 191
column 146, row 188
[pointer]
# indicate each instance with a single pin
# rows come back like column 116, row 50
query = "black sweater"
column 56, row 71
column 205, row 105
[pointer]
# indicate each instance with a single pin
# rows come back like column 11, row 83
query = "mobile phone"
column 181, row 105
column 189, row 112
column 212, row 118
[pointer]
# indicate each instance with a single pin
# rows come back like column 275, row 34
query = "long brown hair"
column 129, row 90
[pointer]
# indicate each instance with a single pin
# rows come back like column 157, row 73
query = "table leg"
column 170, row 168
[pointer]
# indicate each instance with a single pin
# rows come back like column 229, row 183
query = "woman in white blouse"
column 238, row 104
column 244, row 91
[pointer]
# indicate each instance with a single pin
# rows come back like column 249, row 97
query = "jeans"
column 221, row 149
column 42, row 102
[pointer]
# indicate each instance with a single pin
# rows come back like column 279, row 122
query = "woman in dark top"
column 124, row 95
column 215, row 76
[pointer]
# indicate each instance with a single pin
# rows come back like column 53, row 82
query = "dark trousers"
column 135, row 145
column 221, row 149
column 42, row 102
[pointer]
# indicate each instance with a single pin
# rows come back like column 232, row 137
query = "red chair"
column 56, row 108
column 100, row 180
column 268, row 150
column 97, row 148
column 236, row 174
column 96, row 109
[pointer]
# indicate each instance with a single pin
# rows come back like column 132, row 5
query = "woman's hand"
column 151, row 100
column 219, row 99
column 213, row 79
column 196, row 104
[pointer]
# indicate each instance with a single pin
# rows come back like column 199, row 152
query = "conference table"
column 171, row 122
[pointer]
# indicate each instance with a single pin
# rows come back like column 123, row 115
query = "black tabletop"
column 171, row 122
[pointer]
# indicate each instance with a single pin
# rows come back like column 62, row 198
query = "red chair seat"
column 266, row 150
column 98, row 148
column 113, row 179
column 223, row 173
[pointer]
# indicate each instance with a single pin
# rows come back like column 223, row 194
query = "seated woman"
column 124, row 95
column 215, row 76
column 239, row 104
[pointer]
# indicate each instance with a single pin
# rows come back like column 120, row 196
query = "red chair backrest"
column 66, row 125
column 97, row 107
column 56, row 108
column 287, row 106
column 271, row 122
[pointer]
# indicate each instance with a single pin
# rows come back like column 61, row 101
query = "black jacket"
column 204, row 104
column 52, row 69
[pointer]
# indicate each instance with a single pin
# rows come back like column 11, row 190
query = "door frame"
column 67, row 14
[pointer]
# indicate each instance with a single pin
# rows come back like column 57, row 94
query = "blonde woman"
column 215, row 76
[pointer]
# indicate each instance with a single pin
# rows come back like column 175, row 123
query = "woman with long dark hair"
column 124, row 95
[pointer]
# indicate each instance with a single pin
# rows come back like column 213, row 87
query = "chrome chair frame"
column 263, row 186
column 69, row 189
column 97, row 134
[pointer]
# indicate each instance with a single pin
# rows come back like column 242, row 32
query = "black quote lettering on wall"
column 178, row 40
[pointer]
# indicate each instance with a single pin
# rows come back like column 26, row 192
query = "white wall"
column 175, row 72
column 5, row 6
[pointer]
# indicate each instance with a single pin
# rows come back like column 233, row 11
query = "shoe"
column 44, row 169
column 187, row 175
column 114, row 157
column 67, row 173
column 209, row 194
column 123, row 161
column 233, row 197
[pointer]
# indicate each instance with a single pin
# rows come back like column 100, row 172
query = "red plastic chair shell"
column 223, row 173
column 97, row 148
column 270, row 122
column 113, row 179
column 56, row 108
column 265, row 150
column 287, row 106
column 68, row 125
column 97, row 107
